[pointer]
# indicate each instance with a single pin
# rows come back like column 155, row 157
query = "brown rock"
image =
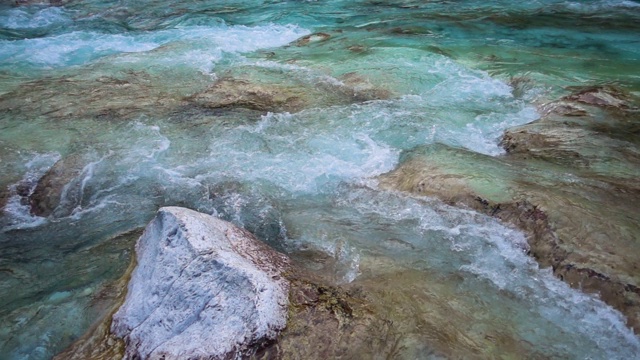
column 603, row 96
column 268, row 90
column 242, row 93
column 104, row 98
column 578, row 226
column 390, row 311
column 46, row 195
column 311, row 38
column 362, row 89
column 358, row 49
column 4, row 197
column 595, row 129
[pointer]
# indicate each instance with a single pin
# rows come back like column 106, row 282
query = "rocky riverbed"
column 421, row 179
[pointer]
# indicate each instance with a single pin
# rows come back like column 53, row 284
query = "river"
column 116, row 97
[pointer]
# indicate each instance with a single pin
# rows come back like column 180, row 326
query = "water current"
column 109, row 89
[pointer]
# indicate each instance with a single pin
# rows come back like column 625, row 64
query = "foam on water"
column 451, row 240
column 443, row 101
column 80, row 47
column 263, row 173
column 602, row 5
column 307, row 152
column 17, row 211
column 307, row 159
column 33, row 18
column 463, row 84
column 302, row 72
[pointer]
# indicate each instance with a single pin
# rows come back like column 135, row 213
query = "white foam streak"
column 79, row 47
column 301, row 71
column 487, row 249
column 602, row 5
column 17, row 211
column 464, row 85
column 28, row 19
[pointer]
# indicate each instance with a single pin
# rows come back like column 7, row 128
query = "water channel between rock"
column 470, row 168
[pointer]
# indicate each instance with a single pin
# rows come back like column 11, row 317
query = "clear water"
column 302, row 180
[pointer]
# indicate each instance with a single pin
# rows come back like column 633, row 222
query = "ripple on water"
column 302, row 181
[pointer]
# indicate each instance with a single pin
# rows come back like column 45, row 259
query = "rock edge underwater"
column 203, row 288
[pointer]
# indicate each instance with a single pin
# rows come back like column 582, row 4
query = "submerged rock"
column 596, row 129
column 604, row 96
column 4, row 197
column 576, row 224
column 55, row 183
column 118, row 97
column 206, row 289
column 99, row 343
column 274, row 90
column 242, row 93
column 311, row 38
column 203, row 289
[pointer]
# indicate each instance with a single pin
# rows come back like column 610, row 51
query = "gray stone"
column 203, row 289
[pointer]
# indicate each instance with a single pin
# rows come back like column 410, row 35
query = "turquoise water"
column 110, row 84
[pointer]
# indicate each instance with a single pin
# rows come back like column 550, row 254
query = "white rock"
column 203, row 288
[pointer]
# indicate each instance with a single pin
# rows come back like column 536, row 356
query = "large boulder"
column 202, row 289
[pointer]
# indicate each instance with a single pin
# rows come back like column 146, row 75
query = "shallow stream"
column 109, row 85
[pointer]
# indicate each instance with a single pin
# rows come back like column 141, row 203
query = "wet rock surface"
column 595, row 129
column 567, row 180
column 274, row 90
column 4, row 197
column 311, row 38
column 232, row 92
column 329, row 321
column 129, row 95
column 47, row 193
column 203, row 288
column 122, row 96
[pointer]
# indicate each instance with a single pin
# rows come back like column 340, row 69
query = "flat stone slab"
column 203, row 289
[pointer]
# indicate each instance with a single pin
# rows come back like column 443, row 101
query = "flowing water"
column 109, row 85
